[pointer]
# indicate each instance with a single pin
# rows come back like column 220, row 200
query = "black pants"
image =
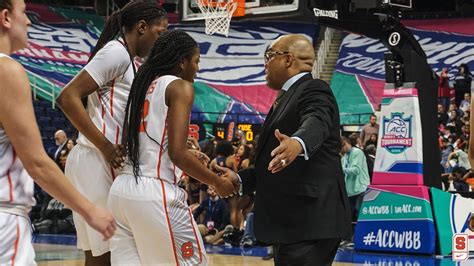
column 356, row 203
column 306, row 253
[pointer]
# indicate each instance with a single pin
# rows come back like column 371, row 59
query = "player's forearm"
column 186, row 161
column 49, row 177
column 76, row 113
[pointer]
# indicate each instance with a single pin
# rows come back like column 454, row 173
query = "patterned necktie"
column 278, row 98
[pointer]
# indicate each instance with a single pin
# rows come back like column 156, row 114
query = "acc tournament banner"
column 230, row 85
column 360, row 72
column 396, row 219
column 399, row 160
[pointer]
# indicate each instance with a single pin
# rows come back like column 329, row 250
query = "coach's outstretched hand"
column 285, row 153
column 102, row 221
column 229, row 184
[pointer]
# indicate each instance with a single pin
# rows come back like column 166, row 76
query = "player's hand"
column 192, row 143
column 115, row 155
column 285, row 153
column 228, row 184
column 202, row 157
column 102, row 221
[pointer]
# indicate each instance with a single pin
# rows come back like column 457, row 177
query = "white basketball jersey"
column 16, row 186
column 112, row 70
column 154, row 158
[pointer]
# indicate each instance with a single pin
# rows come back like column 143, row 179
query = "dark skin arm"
column 180, row 97
column 70, row 101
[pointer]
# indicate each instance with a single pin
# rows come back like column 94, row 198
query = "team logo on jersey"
column 187, row 250
column 396, row 136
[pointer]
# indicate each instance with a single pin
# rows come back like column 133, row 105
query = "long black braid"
column 172, row 48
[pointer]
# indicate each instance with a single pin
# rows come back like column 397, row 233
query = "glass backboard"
column 189, row 9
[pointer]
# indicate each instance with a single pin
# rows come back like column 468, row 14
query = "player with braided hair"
column 156, row 130
column 105, row 82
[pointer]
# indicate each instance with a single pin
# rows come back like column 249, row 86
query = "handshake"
column 228, row 183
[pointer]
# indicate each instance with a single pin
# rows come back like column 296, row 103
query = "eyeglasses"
column 268, row 55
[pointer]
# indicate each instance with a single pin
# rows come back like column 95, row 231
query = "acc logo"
column 187, row 250
column 396, row 136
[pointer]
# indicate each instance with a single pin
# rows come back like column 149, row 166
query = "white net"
column 217, row 15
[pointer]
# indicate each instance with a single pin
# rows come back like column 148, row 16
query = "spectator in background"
column 462, row 83
column 356, row 174
column 465, row 105
column 465, row 118
column 209, row 147
column 355, row 140
column 248, row 239
column 216, row 217
column 449, row 134
column 454, row 108
column 65, row 152
column 224, row 158
column 60, row 139
column 240, row 205
column 458, row 158
column 446, row 150
column 443, row 88
column 369, row 129
column 469, row 179
column 454, row 121
column 239, row 138
column 243, row 157
column 442, row 116
column 464, row 137
column 370, row 153
column 457, row 176
column 252, row 144
column 372, row 141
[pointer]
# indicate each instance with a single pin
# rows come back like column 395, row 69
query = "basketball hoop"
column 217, row 15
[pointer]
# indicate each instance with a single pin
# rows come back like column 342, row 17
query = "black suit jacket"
column 307, row 200
column 57, row 155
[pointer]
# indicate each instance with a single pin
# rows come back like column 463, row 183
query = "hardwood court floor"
column 56, row 255
column 55, row 250
column 64, row 255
